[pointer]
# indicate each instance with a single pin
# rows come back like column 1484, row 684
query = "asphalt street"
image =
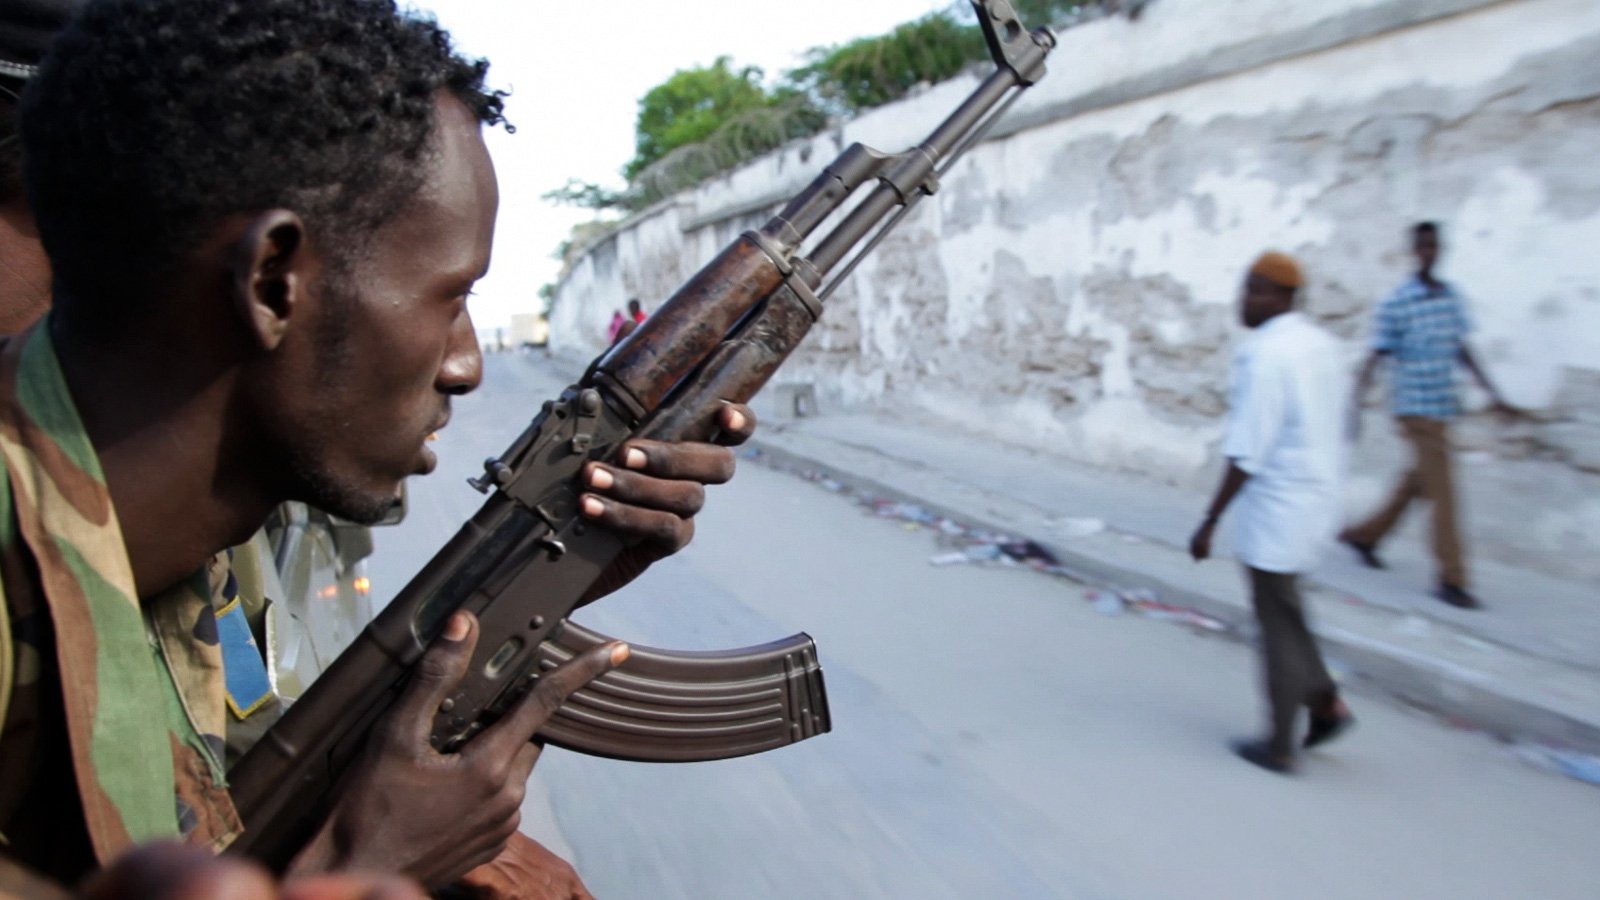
column 994, row 736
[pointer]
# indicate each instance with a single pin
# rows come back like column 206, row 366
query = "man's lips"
column 429, row 458
column 433, row 433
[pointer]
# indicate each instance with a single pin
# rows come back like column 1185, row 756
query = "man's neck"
column 1272, row 318
column 158, row 417
column 24, row 271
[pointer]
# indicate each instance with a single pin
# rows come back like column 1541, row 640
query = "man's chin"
column 368, row 513
column 362, row 507
column 363, row 500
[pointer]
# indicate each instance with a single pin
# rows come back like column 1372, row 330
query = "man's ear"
column 271, row 273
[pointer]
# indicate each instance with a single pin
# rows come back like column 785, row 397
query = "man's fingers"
column 434, row 677
column 666, row 531
column 737, row 422
column 505, row 739
column 522, row 764
column 678, row 461
column 682, row 498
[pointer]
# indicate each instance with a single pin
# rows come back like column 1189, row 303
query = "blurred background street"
column 995, row 733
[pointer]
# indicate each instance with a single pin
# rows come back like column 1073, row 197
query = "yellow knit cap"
column 1278, row 268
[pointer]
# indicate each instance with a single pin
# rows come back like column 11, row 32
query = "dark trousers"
column 1295, row 673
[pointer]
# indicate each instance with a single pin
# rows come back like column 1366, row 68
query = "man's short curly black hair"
column 151, row 120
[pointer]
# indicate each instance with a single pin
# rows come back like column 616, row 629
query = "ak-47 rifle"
column 527, row 558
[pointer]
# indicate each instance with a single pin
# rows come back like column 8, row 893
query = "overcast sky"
column 577, row 71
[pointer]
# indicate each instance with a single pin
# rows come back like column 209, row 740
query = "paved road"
column 993, row 735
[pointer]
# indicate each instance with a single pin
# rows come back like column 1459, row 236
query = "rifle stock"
column 527, row 558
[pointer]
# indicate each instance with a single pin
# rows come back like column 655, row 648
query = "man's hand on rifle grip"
column 652, row 498
column 434, row 816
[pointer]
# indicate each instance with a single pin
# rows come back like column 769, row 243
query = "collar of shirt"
column 1280, row 325
column 1415, row 288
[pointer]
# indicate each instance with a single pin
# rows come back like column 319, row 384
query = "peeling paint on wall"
column 1076, row 280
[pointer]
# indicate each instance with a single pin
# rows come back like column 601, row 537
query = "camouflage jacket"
column 113, row 710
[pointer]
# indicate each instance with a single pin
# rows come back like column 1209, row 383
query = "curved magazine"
column 686, row 706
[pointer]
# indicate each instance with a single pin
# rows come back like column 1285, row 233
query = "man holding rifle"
column 264, row 220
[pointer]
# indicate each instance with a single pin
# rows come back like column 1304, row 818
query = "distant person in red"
column 622, row 327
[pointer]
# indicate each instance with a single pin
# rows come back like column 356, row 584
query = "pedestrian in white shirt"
column 1285, row 451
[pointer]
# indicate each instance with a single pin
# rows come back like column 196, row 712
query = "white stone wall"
column 1073, row 283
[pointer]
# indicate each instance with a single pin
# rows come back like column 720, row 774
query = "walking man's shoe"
column 1457, row 597
column 1367, row 552
column 1328, row 724
column 1260, row 754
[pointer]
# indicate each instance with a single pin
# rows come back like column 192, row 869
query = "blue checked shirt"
column 1421, row 328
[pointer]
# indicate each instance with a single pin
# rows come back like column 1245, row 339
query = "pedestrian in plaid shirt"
column 1422, row 330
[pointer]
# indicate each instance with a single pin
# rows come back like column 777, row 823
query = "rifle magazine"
column 689, row 706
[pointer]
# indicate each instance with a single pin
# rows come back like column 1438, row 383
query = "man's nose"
column 462, row 370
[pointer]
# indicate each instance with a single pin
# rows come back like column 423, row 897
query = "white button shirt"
column 1286, row 429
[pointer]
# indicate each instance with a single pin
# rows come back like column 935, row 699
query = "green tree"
column 742, row 137
column 691, row 105
column 705, row 121
column 872, row 71
column 586, row 195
